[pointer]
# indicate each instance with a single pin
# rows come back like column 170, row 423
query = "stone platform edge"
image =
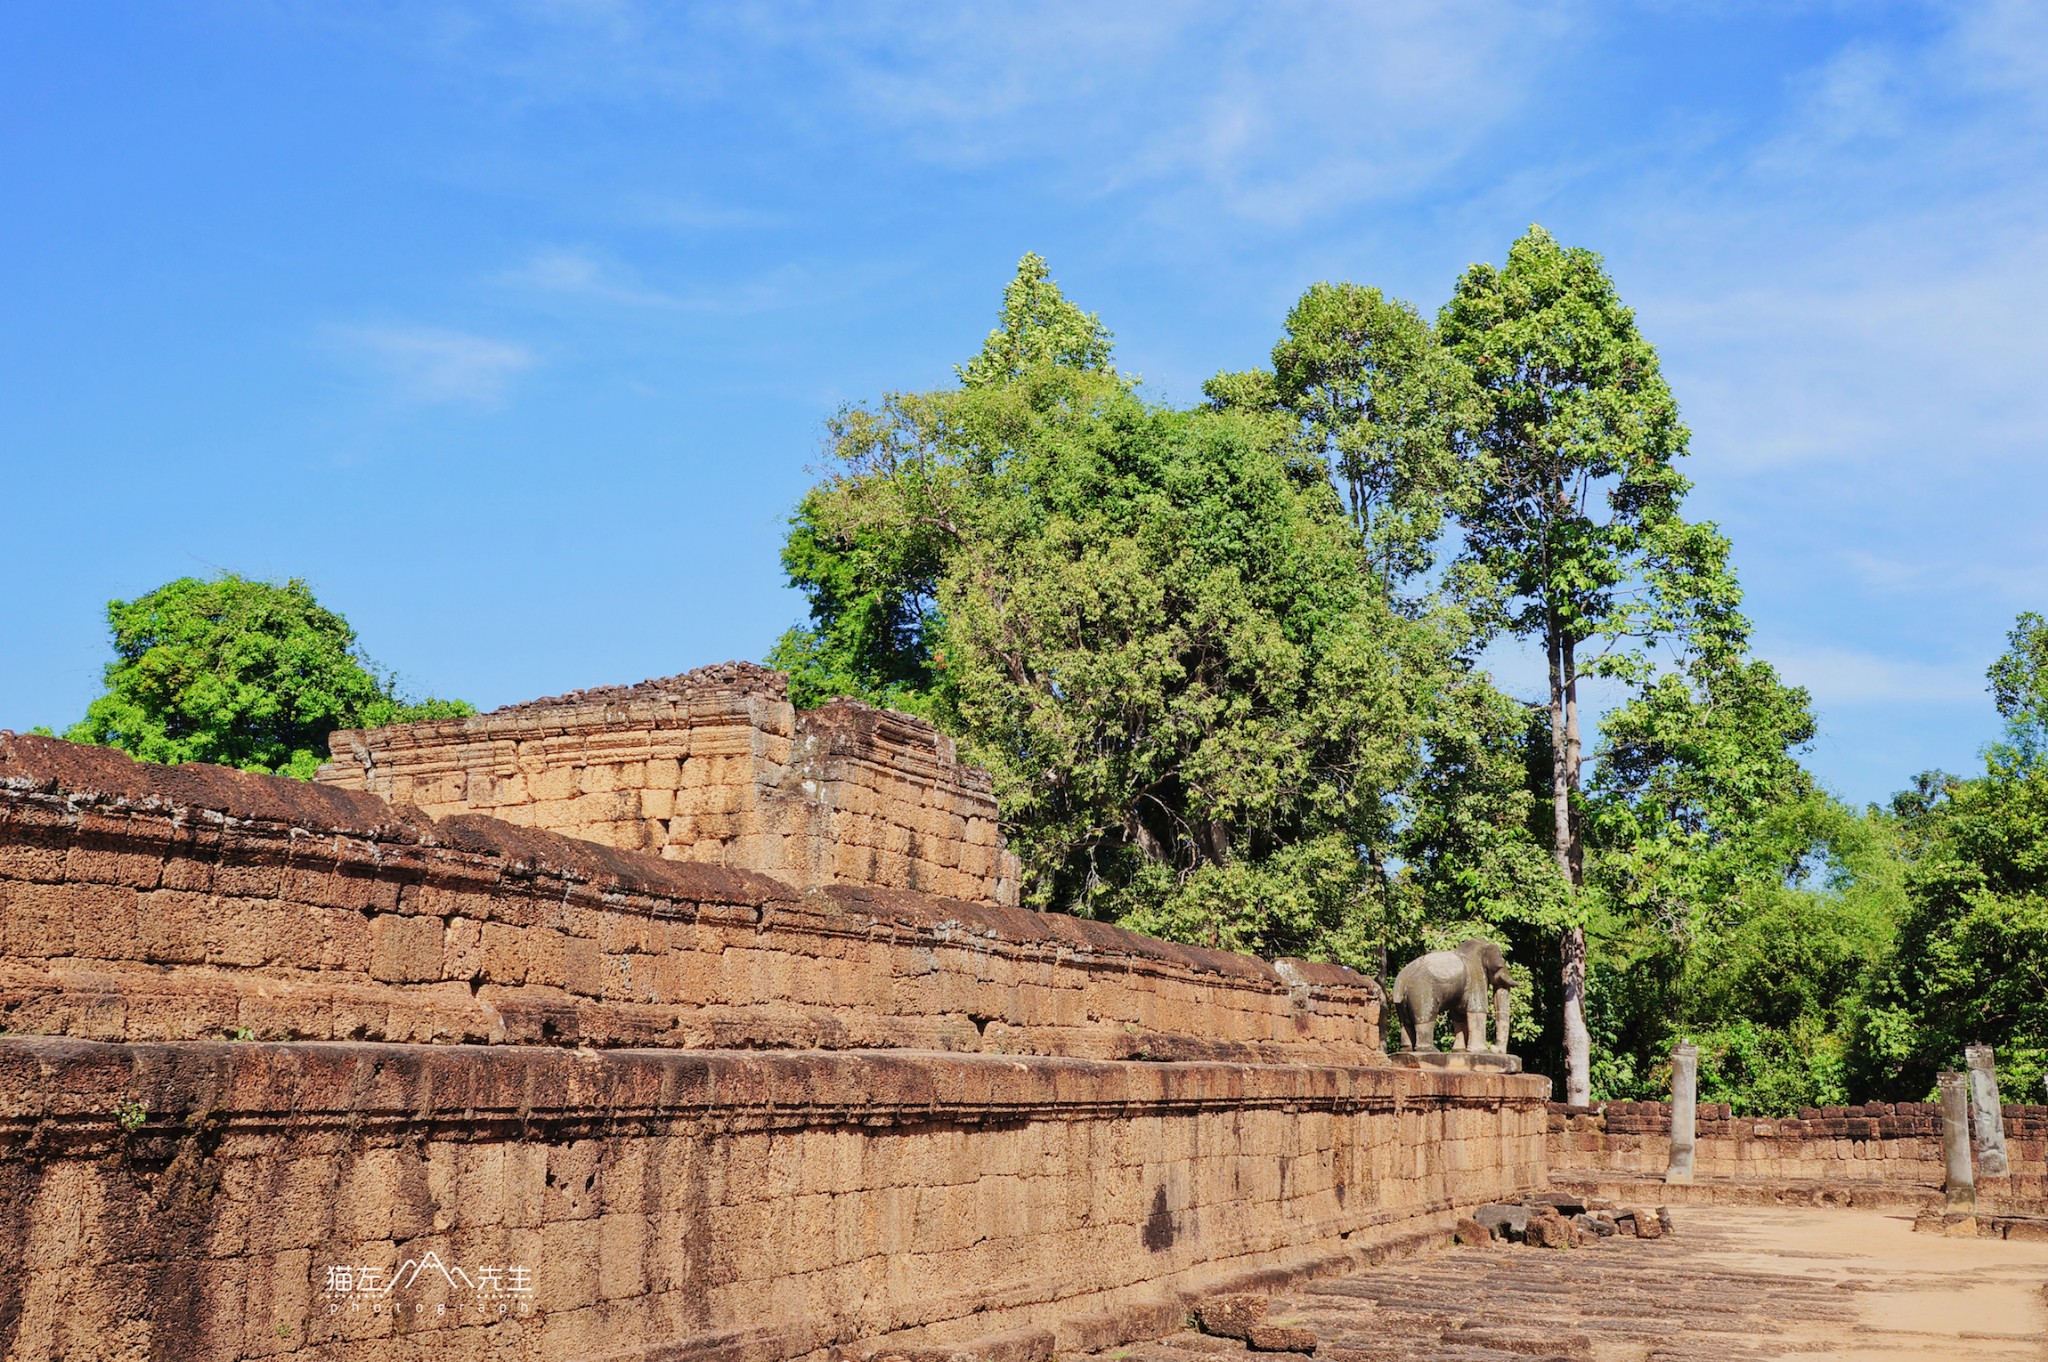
column 747, row 1207
column 142, row 902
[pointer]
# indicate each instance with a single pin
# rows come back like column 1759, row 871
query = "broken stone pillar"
column 1955, row 1141
column 1685, row 1077
column 1986, row 1117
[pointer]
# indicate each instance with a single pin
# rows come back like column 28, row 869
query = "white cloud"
column 1848, row 676
column 432, row 365
column 1274, row 114
column 2020, row 582
column 582, row 276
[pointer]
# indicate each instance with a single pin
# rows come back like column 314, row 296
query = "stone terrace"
column 142, row 902
column 708, row 1116
column 1729, row 1285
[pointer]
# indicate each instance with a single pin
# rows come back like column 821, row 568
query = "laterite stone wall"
column 668, row 1205
column 713, row 766
column 1887, row 1142
column 292, row 1071
column 182, row 903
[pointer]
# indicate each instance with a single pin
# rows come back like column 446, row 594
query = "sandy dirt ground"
column 1915, row 1295
column 1730, row 1284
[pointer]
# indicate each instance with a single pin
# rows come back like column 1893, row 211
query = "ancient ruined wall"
column 669, row 1205
column 713, row 766
column 1879, row 1142
column 154, row 903
column 657, row 1120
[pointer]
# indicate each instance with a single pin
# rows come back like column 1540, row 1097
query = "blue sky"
column 512, row 327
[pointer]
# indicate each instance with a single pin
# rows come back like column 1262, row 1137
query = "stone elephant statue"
column 1459, row 980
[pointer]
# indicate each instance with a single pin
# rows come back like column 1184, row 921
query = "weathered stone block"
column 405, row 949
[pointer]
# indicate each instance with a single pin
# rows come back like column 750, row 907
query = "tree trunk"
column 1560, row 776
column 1565, row 845
column 1578, row 1045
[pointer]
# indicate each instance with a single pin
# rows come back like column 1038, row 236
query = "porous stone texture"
column 212, row 1136
column 1879, row 1153
column 189, row 1200
column 713, row 766
column 142, row 902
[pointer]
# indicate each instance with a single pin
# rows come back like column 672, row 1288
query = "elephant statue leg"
column 1472, row 1031
column 1423, row 1036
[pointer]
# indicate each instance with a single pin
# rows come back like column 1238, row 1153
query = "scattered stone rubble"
column 1561, row 1220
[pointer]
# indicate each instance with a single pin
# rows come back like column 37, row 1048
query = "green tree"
column 2019, row 687
column 1738, row 906
column 1972, row 959
column 1038, row 328
column 1161, row 642
column 1575, row 538
column 1692, row 772
column 239, row 673
column 868, row 545
column 1369, row 391
column 1154, row 627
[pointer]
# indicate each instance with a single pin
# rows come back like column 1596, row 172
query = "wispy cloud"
column 433, row 365
column 1275, row 115
column 1848, row 676
column 1868, row 284
column 2018, row 582
column 583, row 276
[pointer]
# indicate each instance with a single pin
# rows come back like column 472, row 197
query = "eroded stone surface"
column 713, row 766
column 1733, row 1285
column 142, row 902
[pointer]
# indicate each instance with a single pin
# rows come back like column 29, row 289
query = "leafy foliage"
column 1229, row 688
column 1367, row 389
column 867, row 547
column 1154, row 627
column 1576, row 533
column 1972, row 958
column 2019, row 687
column 1574, row 537
column 241, row 673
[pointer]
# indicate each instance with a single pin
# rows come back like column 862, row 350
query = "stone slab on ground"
column 1733, row 1284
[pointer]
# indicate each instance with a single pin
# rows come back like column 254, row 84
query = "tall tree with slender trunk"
column 1575, row 539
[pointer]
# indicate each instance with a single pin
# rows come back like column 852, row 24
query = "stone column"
column 1685, row 1078
column 1955, row 1141
column 1985, row 1116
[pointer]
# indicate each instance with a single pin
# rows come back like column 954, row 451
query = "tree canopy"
column 241, row 673
column 1153, row 626
column 1972, row 958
